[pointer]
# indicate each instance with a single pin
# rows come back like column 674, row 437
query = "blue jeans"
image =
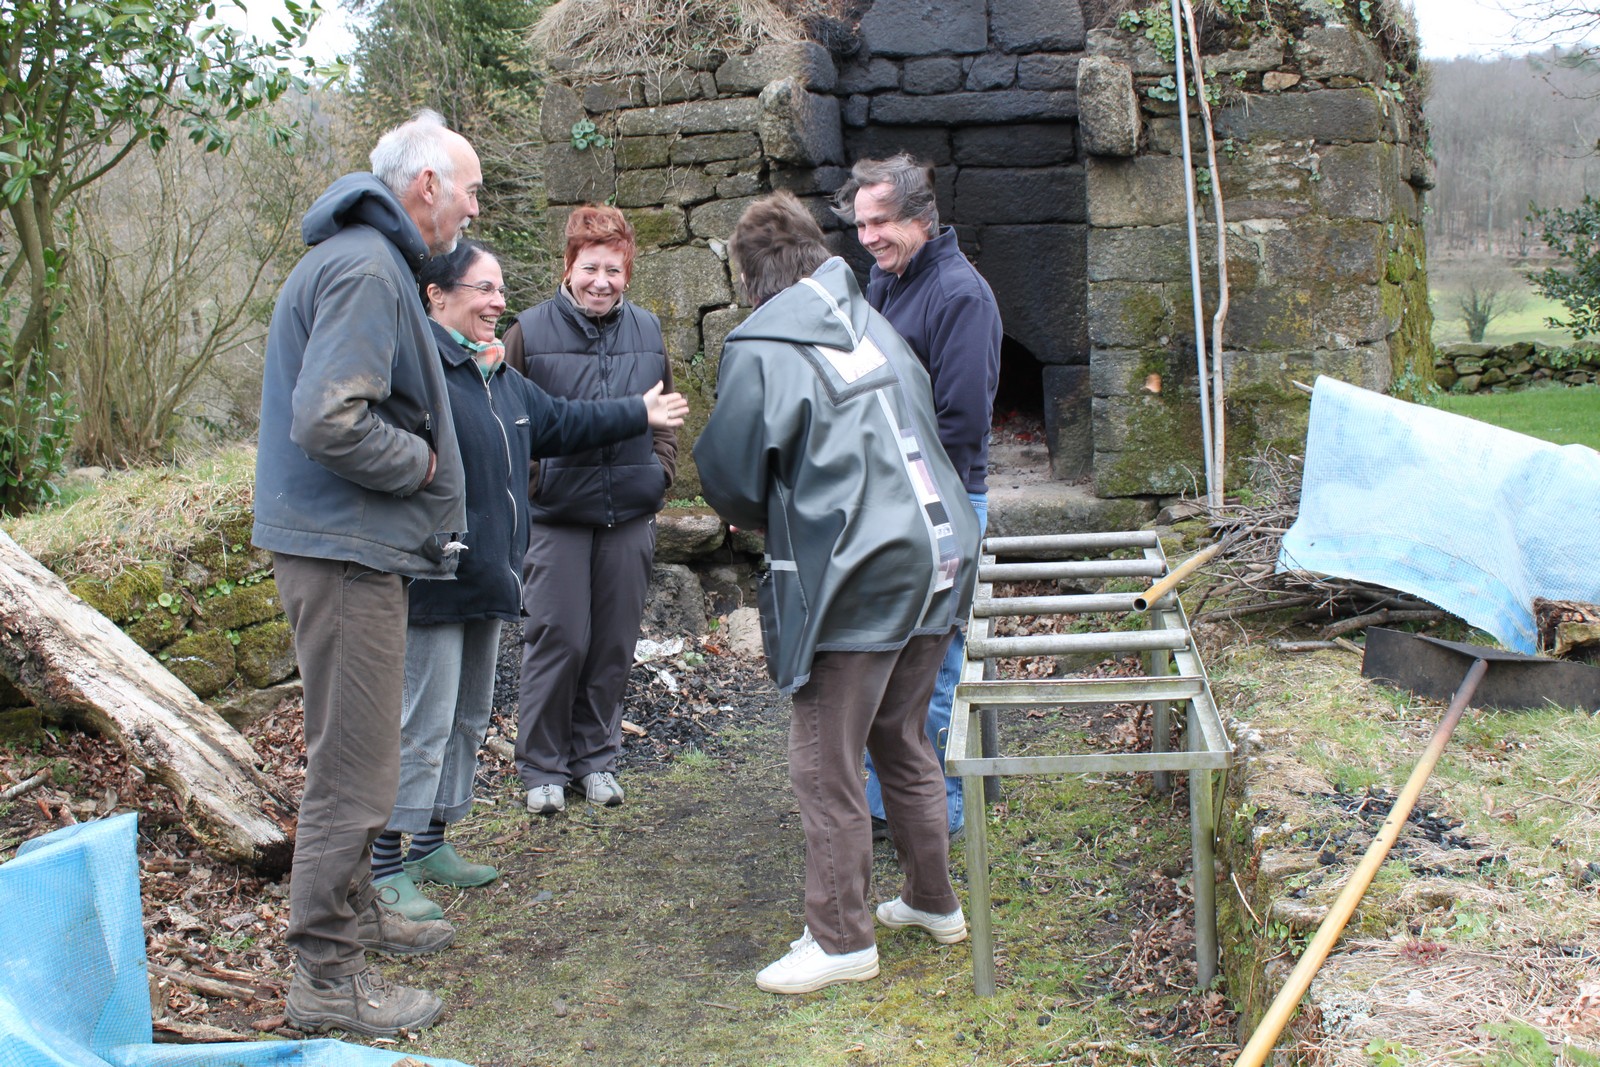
column 944, row 694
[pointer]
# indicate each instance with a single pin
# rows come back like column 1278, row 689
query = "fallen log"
column 67, row 657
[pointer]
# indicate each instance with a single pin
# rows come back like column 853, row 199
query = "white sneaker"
column 602, row 787
column 946, row 929
column 807, row 968
column 547, row 799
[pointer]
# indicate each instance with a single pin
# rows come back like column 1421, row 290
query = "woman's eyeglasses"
column 483, row 287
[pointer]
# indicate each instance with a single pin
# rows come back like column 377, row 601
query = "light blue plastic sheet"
column 73, row 985
column 1473, row 518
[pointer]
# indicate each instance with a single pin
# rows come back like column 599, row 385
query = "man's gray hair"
column 910, row 190
column 412, row 147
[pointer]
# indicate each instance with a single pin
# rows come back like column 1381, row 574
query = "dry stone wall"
column 1470, row 368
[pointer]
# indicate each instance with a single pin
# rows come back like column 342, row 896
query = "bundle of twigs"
column 1244, row 580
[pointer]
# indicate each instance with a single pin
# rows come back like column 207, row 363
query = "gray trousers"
column 350, row 639
column 583, row 590
column 877, row 701
column 449, row 700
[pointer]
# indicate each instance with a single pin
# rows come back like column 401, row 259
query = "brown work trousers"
column 877, row 701
column 349, row 625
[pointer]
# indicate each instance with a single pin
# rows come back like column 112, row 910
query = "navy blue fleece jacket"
column 947, row 314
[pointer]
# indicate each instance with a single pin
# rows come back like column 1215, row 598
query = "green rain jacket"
column 824, row 434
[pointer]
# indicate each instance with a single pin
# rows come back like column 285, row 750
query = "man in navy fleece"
column 947, row 313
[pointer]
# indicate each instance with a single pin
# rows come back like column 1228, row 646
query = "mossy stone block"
column 126, row 596
column 202, row 661
column 20, row 724
column 265, row 655
column 236, row 606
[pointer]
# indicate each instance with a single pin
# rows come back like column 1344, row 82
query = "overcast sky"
column 1448, row 27
column 1477, row 27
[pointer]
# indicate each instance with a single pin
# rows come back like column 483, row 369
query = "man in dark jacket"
column 824, row 435
column 947, row 313
column 359, row 486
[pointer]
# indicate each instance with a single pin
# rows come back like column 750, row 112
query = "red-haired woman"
column 593, row 530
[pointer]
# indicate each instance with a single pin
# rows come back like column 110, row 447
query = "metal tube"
column 1090, row 568
column 1062, row 644
column 1202, row 843
column 1194, row 261
column 1166, row 585
column 1288, row 998
column 1078, row 542
column 1075, row 604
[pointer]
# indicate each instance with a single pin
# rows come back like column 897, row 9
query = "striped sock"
column 386, row 854
column 426, row 841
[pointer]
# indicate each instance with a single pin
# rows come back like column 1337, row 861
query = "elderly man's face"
column 456, row 202
column 891, row 240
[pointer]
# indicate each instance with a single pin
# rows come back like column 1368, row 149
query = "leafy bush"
column 1574, row 235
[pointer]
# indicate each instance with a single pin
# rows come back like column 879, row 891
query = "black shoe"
column 880, row 829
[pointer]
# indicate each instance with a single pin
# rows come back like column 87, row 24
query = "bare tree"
column 1485, row 295
column 177, row 254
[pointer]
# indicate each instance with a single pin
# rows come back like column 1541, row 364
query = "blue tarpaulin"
column 1468, row 516
column 74, row 990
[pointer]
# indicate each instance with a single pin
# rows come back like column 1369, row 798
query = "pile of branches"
column 1244, row 580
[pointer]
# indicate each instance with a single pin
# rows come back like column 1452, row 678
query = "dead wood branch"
column 15, row 791
column 67, row 657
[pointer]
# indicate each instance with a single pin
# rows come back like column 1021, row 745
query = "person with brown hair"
column 825, row 435
column 593, row 518
column 947, row 313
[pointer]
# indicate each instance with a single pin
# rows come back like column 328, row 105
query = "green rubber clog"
column 399, row 894
column 444, row 866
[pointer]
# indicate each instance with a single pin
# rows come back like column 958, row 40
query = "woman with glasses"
column 453, row 627
column 594, row 528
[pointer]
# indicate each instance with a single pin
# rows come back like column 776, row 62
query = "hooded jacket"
column 568, row 353
column 502, row 422
column 824, row 434
column 353, row 398
column 947, row 313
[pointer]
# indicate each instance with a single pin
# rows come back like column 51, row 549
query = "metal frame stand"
column 973, row 752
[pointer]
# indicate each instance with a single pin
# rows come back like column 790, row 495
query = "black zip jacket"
column 501, row 424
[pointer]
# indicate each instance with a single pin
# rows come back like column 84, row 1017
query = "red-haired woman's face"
column 598, row 276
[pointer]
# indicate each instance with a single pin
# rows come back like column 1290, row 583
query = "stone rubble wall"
column 984, row 91
column 685, row 154
column 1322, row 168
column 1470, row 368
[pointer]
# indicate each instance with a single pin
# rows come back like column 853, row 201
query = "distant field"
column 1564, row 416
column 1524, row 324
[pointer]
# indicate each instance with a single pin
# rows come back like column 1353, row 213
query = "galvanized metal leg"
column 978, row 907
column 1161, row 713
column 990, row 734
column 1202, row 844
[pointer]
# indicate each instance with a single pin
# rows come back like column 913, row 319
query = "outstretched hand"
column 664, row 410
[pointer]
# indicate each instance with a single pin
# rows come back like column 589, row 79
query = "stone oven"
column 1055, row 148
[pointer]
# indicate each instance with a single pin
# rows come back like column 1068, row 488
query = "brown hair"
column 774, row 245
column 910, row 194
column 599, row 224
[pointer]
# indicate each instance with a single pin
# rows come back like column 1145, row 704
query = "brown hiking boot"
column 361, row 1003
column 381, row 930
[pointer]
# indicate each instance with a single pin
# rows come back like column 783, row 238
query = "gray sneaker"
column 361, row 1003
column 381, row 930
column 602, row 787
column 547, row 799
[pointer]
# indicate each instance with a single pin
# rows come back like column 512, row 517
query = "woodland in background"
column 1508, row 134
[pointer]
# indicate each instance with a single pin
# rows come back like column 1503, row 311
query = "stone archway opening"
column 1019, row 446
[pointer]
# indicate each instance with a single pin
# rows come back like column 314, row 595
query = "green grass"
column 1564, row 416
